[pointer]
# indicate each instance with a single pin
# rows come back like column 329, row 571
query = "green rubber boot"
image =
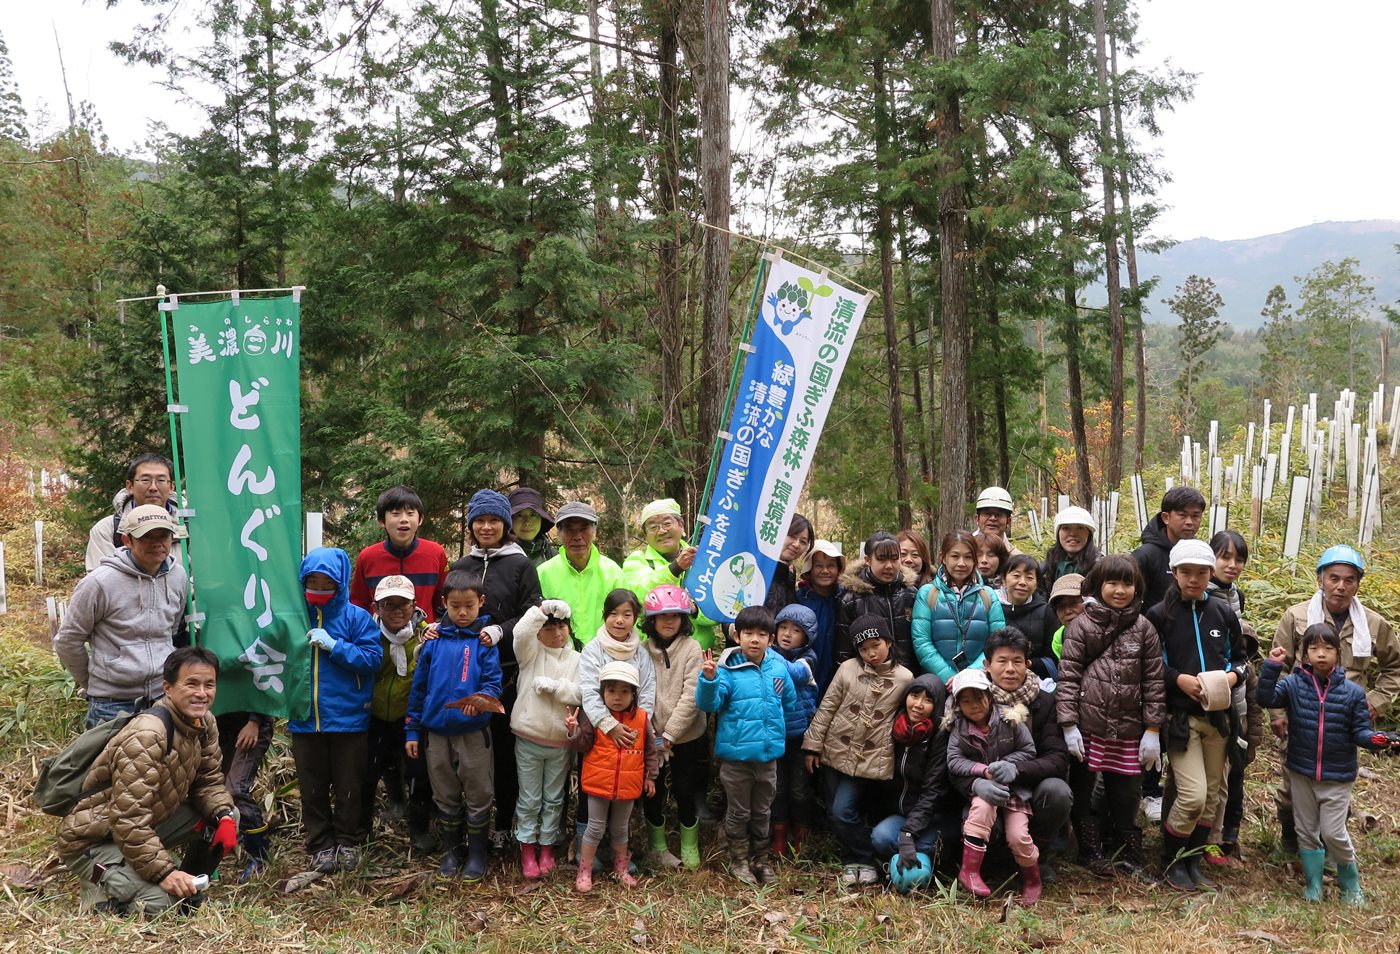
column 659, row 854
column 690, row 846
column 1350, row 880
column 1312, row 873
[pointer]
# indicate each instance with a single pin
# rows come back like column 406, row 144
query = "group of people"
column 923, row 709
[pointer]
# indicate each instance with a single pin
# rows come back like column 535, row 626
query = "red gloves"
column 225, row 836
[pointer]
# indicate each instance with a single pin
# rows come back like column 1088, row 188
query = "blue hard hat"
column 904, row 879
column 1341, row 553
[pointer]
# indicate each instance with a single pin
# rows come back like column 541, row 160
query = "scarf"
column 622, row 651
column 1023, row 696
column 1360, row 630
column 396, row 644
column 907, row 733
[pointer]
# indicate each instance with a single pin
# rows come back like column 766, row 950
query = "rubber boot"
column 583, row 881
column 659, row 854
column 420, row 830
column 596, row 865
column 255, row 847
column 478, row 845
column 450, row 835
column 1288, row 841
column 690, row 846
column 761, row 860
column 1349, row 879
column 970, row 874
column 1312, row 873
column 1174, row 871
column 1089, row 834
column 1133, row 861
column 797, row 838
column 1195, row 862
column 529, row 862
column 739, row 861
column 779, row 845
column 1030, row 885
column 621, row 856
column 546, row 860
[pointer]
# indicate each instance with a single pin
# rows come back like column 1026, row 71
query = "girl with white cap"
column 1203, row 649
column 1074, row 550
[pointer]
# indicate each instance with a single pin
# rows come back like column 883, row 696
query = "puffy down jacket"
column 752, row 700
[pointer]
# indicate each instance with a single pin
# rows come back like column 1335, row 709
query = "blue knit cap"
column 488, row 503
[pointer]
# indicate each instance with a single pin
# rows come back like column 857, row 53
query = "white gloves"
column 321, row 639
column 546, row 684
column 556, row 609
column 1150, row 751
column 1074, row 741
column 490, row 635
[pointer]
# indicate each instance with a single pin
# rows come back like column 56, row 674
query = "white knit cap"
column 1191, row 553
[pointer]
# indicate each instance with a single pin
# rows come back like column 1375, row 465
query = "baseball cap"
column 395, row 586
column 139, row 521
column 576, row 510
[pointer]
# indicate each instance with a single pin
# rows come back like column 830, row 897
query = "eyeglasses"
column 153, row 481
column 660, row 524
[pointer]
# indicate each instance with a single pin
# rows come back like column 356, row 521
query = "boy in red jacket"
column 401, row 553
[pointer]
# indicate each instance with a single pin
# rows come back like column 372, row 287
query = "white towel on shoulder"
column 1360, row 630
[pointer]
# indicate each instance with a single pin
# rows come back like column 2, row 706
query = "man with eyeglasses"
column 150, row 480
column 664, row 559
column 122, row 621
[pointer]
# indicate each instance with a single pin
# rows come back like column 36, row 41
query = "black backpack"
column 59, row 787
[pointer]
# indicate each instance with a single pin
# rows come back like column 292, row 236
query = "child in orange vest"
column 615, row 774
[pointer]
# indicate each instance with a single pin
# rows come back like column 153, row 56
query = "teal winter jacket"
column 954, row 624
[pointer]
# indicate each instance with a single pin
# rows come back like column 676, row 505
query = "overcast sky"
column 1293, row 121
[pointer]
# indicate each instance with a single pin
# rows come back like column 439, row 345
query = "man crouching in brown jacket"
column 156, row 786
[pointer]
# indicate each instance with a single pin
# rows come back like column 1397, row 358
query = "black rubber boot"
column 1175, row 873
column 1288, row 841
column 1198, row 840
column 454, row 853
column 1089, row 835
column 1132, row 861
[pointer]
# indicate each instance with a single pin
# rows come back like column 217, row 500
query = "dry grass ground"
column 392, row 905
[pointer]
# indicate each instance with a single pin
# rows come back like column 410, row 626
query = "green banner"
column 239, row 408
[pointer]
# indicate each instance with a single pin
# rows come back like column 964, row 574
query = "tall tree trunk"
column 916, row 371
column 999, row 390
column 511, row 177
column 1083, row 482
column 884, row 233
column 1130, row 251
column 955, row 465
column 714, row 180
column 599, row 159
column 668, row 279
column 274, row 145
column 1109, row 235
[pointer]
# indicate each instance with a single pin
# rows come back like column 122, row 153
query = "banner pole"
column 165, row 343
column 752, row 313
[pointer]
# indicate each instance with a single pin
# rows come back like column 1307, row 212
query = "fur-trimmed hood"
column 1016, row 715
column 859, row 579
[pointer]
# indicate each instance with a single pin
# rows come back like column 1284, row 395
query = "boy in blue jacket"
column 752, row 692
column 453, row 668
column 330, row 744
column 794, row 805
column 1327, row 720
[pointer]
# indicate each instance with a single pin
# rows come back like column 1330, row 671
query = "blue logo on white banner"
column 806, row 329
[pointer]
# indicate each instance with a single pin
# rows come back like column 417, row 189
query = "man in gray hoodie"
column 150, row 479
column 126, row 612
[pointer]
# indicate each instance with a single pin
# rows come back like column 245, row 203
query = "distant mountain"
column 1245, row 269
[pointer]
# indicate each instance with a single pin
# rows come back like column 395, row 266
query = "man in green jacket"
column 580, row 574
column 664, row 560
